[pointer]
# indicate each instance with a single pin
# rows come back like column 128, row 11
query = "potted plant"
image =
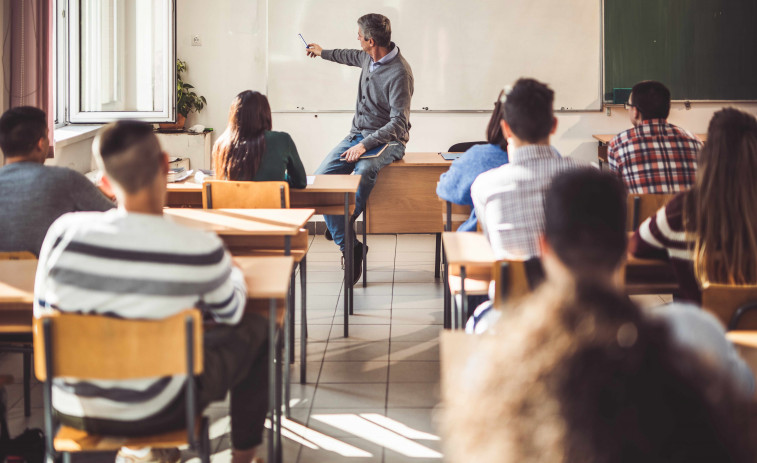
column 186, row 99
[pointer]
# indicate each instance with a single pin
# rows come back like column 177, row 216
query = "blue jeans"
column 367, row 168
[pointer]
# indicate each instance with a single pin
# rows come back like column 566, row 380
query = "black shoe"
column 327, row 235
column 357, row 261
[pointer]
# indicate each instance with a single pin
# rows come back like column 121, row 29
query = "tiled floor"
column 368, row 398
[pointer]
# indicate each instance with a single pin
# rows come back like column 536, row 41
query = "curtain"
column 31, row 56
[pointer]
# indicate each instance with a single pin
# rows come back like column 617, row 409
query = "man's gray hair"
column 377, row 27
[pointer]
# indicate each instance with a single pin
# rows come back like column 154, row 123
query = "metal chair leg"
column 303, row 322
column 27, row 383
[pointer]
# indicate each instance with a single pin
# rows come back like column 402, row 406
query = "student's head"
column 585, row 223
column 24, row 134
column 129, row 154
column 494, row 133
column 241, row 147
column 376, row 27
column 723, row 210
column 584, row 376
column 649, row 100
column 528, row 112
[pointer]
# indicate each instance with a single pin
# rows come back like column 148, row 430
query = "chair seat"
column 75, row 440
column 473, row 287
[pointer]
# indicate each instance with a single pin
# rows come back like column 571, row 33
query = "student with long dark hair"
column 250, row 150
column 709, row 233
column 454, row 185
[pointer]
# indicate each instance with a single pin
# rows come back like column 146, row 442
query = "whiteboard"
column 462, row 52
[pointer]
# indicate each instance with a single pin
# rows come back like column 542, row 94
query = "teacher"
column 381, row 122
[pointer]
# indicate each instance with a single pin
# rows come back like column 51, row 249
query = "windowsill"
column 69, row 134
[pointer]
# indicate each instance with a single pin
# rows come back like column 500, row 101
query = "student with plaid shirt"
column 654, row 156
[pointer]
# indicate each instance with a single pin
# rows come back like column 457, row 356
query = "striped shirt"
column 509, row 200
column 655, row 157
column 663, row 236
column 131, row 266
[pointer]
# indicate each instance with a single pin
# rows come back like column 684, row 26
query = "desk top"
column 421, row 160
column 243, row 222
column 17, row 282
column 467, row 248
column 266, row 277
column 321, row 184
column 607, row 137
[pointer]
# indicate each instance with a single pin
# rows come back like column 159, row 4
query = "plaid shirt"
column 509, row 200
column 655, row 157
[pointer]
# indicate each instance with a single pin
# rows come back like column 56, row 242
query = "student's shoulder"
column 623, row 138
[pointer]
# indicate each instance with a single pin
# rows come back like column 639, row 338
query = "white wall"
column 232, row 58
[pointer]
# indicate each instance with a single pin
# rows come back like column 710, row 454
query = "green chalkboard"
column 700, row 49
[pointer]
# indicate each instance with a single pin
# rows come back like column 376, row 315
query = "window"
column 120, row 56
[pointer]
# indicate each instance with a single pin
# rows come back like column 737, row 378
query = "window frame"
column 68, row 86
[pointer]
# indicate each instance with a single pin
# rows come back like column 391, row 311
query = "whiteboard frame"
column 601, row 96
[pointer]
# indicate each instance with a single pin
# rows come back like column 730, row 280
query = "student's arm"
column 226, row 301
column 613, row 161
column 295, row 169
column 400, row 93
column 479, row 203
column 52, row 240
column 85, row 196
column 455, row 184
column 345, row 56
column 649, row 241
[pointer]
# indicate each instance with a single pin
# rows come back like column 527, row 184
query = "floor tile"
column 315, row 333
column 434, row 290
column 321, row 417
column 420, row 419
column 353, row 372
column 315, row 351
column 417, row 302
column 415, row 332
column 412, row 395
column 366, row 317
column 414, row 276
column 414, row 351
column 325, row 276
column 347, row 450
column 360, row 333
column 357, row 351
column 418, row 316
column 302, row 396
column 320, row 317
column 374, row 288
column 414, row 372
column 350, row 396
column 312, row 370
column 324, row 289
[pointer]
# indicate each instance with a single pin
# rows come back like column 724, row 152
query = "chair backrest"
column 17, row 255
column 224, row 194
column 108, row 348
column 731, row 304
column 643, row 206
column 453, row 215
column 465, row 146
column 514, row 279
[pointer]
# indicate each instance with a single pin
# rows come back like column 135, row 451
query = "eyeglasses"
column 628, row 105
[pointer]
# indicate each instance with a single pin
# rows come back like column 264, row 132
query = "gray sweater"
column 382, row 112
column 32, row 196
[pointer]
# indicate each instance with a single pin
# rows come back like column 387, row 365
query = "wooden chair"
column 95, row 347
column 643, row 206
column 465, row 146
column 734, row 305
column 514, row 279
column 223, row 194
column 453, row 215
column 15, row 333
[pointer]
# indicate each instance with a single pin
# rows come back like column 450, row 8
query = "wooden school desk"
column 267, row 281
column 327, row 194
column 605, row 138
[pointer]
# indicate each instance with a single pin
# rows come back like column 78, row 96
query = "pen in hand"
column 303, row 39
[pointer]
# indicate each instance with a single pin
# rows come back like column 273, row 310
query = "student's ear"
column 505, row 128
column 554, row 126
column 164, row 164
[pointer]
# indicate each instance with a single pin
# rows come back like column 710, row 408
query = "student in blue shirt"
column 454, row 185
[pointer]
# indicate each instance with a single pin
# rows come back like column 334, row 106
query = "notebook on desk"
column 450, row 156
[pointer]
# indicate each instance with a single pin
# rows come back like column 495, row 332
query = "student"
column 454, row 185
column 584, row 376
column 509, row 199
column 654, row 156
column 382, row 117
column 710, row 232
column 249, row 150
column 33, row 195
column 133, row 263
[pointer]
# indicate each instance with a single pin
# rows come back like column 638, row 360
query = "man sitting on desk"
column 133, row 263
column 509, row 200
column 654, row 156
column 381, row 123
column 33, row 195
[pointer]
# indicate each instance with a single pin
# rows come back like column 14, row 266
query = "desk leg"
column 464, row 299
column 447, row 295
column 272, row 376
column 365, row 245
column 437, row 256
column 347, row 263
column 288, row 329
column 280, row 361
column 303, row 322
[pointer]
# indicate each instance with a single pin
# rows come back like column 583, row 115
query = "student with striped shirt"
column 133, row 263
column 709, row 233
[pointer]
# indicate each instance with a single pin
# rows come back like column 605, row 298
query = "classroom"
column 388, row 374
